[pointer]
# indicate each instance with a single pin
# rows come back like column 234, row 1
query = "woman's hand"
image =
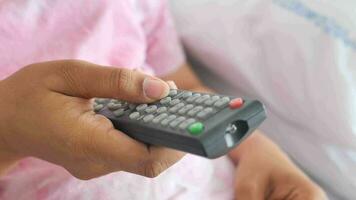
column 46, row 112
column 265, row 172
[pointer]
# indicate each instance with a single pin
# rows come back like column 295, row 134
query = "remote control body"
column 208, row 125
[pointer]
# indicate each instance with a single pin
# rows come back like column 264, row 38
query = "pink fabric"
column 127, row 33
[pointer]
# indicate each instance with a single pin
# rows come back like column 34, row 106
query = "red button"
column 236, row 103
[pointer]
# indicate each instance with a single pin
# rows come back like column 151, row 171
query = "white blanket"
column 299, row 58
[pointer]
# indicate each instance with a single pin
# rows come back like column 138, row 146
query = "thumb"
column 88, row 80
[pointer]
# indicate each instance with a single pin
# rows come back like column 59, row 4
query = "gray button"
column 222, row 102
column 202, row 98
column 132, row 106
column 148, row 118
column 98, row 107
column 185, row 109
column 177, row 121
column 168, row 119
column 212, row 100
column 114, row 101
column 174, row 102
column 195, row 110
column 205, row 113
column 165, row 100
column 193, row 98
column 162, row 109
column 186, row 123
column 141, row 107
column 173, row 92
column 134, row 115
column 119, row 112
column 159, row 118
column 151, row 109
column 187, row 94
column 176, row 107
column 114, row 106
column 100, row 100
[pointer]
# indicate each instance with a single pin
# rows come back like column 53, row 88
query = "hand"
column 265, row 172
column 46, row 112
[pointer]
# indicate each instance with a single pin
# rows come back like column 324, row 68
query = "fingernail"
column 154, row 88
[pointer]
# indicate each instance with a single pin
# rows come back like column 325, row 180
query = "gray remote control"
column 208, row 125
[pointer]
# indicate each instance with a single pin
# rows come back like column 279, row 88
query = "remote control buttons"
column 162, row 109
column 202, row 98
column 236, row 103
column 187, row 94
column 176, row 107
column 98, row 107
column 186, row 123
column 174, row 102
column 222, row 102
column 132, row 106
column 100, row 100
column 205, row 113
column 165, row 100
column 119, row 112
column 185, row 109
column 114, row 106
column 151, row 109
column 134, row 115
column 159, row 118
column 148, row 118
column 173, row 92
column 177, row 121
column 196, row 128
column 141, row 107
column 167, row 120
column 194, row 111
column 193, row 98
column 212, row 100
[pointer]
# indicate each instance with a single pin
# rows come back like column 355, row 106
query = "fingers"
column 87, row 80
column 296, row 186
column 249, row 184
column 108, row 150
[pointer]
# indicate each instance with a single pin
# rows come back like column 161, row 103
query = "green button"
column 196, row 128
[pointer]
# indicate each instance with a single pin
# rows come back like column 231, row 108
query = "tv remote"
column 208, row 125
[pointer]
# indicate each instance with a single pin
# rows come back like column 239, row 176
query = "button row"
column 164, row 119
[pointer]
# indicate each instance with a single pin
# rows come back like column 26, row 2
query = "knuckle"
column 122, row 79
column 153, row 169
column 70, row 71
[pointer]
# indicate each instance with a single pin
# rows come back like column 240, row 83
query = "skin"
column 263, row 171
column 54, row 121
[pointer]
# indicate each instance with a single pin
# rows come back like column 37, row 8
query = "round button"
column 236, row 103
column 196, row 128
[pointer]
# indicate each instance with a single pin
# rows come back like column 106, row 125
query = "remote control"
column 208, row 125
